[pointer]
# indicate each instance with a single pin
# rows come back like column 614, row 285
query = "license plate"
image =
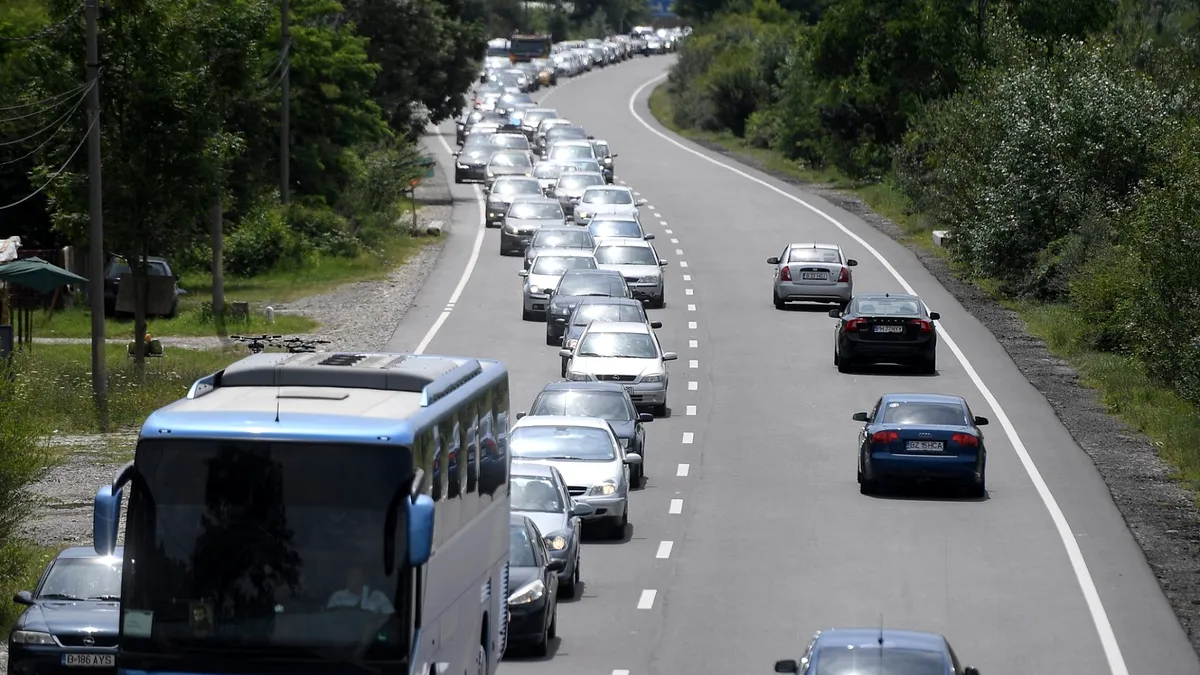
column 889, row 329
column 926, row 446
column 90, row 660
column 815, row 276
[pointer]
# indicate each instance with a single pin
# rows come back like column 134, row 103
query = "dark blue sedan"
column 872, row 651
column 921, row 437
column 71, row 620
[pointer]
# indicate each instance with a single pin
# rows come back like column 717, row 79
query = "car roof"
column 869, row 637
column 610, row 188
column 559, row 228
column 515, row 179
column 607, row 300
column 81, row 552
column 536, row 199
column 597, row 174
column 619, row 327
column 594, row 273
column 567, row 385
column 566, row 253
column 810, row 244
column 614, row 242
column 530, row 469
column 561, row 421
column 581, row 142
column 616, row 216
column 924, row 398
column 887, row 296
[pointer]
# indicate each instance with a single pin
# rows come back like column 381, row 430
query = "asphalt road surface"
column 751, row 533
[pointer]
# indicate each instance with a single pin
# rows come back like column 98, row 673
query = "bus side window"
column 469, row 422
column 439, row 474
column 456, row 462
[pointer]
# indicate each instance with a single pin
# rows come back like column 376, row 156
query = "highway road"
column 751, row 533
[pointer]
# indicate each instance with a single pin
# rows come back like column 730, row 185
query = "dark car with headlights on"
column 533, row 587
column 875, row 651
column 606, row 400
column 72, row 617
column 602, row 309
column 566, row 236
column 508, row 140
column 564, row 132
column 525, row 217
column 605, row 156
column 533, row 117
column 574, row 287
column 463, row 126
column 470, row 162
column 508, row 164
column 540, row 493
column 885, row 328
column 504, row 192
column 916, row 438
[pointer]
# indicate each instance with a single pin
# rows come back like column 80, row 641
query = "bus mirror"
column 106, row 519
column 420, row 530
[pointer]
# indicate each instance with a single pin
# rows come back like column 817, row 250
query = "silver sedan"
column 812, row 272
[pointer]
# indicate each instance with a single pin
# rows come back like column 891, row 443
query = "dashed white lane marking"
column 688, row 291
column 674, row 240
column 687, row 277
column 620, row 672
column 664, row 549
column 691, row 411
column 691, row 308
column 694, row 363
column 693, row 344
column 683, row 263
column 647, row 599
column 688, row 437
column 621, row 182
column 667, row 231
column 663, row 223
column 691, row 325
column 637, row 194
column 693, row 386
column 1083, row 576
column 678, row 251
column 676, row 507
column 683, row 470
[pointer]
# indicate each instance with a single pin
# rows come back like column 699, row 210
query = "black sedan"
column 921, row 438
column 885, row 328
column 533, row 584
column 602, row 309
column 605, row 400
column 71, row 619
column 574, row 287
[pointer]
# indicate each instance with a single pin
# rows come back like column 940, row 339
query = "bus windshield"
column 275, row 548
column 530, row 47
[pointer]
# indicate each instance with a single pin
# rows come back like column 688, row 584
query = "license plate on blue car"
column 89, row 660
column 925, row 446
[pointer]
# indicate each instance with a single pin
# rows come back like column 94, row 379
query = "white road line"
column 663, row 223
column 667, row 231
column 683, row 470
column 674, row 240
column 693, row 363
column 687, row 277
column 620, row 672
column 676, row 507
column 683, row 263
column 691, row 325
column 664, row 549
column 693, row 386
column 688, row 437
column 647, row 599
column 688, row 291
column 691, row 411
column 1087, row 585
column 691, row 308
column 678, row 251
column 622, row 182
column 693, row 344
column 637, row 194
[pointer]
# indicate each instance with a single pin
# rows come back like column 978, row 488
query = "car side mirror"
column 981, row 421
column 934, row 316
column 565, row 353
column 522, row 273
column 23, row 598
column 633, row 459
column 645, row 417
column 773, row 261
column 641, row 202
column 656, row 324
column 669, row 356
column 970, row 670
column 582, row 509
column 521, row 414
column 787, row 666
column 648, row 237
column 835, row 313
column 613, row 156
column 851, row 262
column 556, row 564
column 591, row 138
column 662, row 263
column 860, row 417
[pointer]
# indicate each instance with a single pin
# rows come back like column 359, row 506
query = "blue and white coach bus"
column 317, row 513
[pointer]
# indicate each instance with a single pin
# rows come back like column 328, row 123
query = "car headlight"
column 491, row 175
column 570, row 344
column 608, row 160
column 603, row 490
column 577, row 377
column 31, row 637
column 535, row 290
column 583, row 214
column 562, row 310
column 528, row 593
column 556, row 542
column 463, row 166
column 654, row 378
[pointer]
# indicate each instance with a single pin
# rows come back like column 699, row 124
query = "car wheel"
column 552, row 632
column 928, row 366
column 564, row 369
column 567, row 589
column 844, row 365
column 552, row 339
column 779, row 303
column 978, row 490
column 617, row 529
column 836, row 358
column 541, row 646
column 481, row 659
column 636, row 476
column 659, row 410
column 527, row 315
column 867, row 486
column 458, row 179
column 660, row 301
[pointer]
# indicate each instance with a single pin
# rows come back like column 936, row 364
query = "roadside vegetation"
column 1056, row 142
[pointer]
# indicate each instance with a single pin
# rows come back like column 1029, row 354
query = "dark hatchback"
column 885, row 328
column 156, row 267
column 602, row 309
column 470, row 163
column 72, row 617
column 606, row 400
column 872, row 651
column 533, row 587
column 574, row 287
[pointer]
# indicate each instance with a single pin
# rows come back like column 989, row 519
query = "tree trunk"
column 140, row 273
column 218, row 267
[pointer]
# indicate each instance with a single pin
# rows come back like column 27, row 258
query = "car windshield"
column 602, row 149
column 510, row 141
column 571, row 152
column 577, row 182
column 604, row 312
column 535, row 493
column 548, row 124
column 615, row 228
column 591, row 284
column 626, row 255
column 573, row 238
column 520, row 549
column 92, row 578
column 618, row 345
column 566, row 133
column 536, row 211
column 546, row 170
column 516, row 187
column 513, row 99
column 609, row 405
column 887, row 307
column 607, row 196
column 514, row 159
column 584, row 444
column 477, row 142
column 557, row 265
column 900, row 412
column 817, row 255
column 868, row 661
column 585, row 166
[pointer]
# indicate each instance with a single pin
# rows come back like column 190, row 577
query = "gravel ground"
column 1161, row 513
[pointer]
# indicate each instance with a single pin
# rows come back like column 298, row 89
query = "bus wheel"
column 481, row 660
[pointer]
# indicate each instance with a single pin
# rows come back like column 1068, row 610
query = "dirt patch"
column 1161, row 513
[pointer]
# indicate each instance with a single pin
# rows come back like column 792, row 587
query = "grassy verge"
column 21, row 564
column 191, row 321
column 1127, row 391
column 58, row 378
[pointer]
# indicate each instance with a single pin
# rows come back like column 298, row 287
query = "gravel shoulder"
column 1161, row 514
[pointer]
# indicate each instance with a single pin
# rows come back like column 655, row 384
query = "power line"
column 48, row 139
column 60, row 102
column 46, row 128
column 49, row 99
column 53, row 28
column 54, row 176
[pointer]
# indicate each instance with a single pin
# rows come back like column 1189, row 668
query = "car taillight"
column 965, row 440
column 925, row 326
column 881, row 437
column 853, row 324
column 844, row 276
column 785, row 274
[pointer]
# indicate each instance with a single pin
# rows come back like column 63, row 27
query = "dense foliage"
column 1056, row 141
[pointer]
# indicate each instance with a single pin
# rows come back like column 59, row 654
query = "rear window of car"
column 888, row 307
column 535, row 211
column 869, row 661
column 818, row 255
column 912, row 412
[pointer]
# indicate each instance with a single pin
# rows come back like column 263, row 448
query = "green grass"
column 191, row 321
column 1172, row 424
column 58, row 379
column 21, row 564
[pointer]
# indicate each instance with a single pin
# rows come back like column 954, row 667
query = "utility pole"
column 96, row 210
column 285, row 103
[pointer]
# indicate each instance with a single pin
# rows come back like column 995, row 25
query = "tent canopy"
column 37, row 274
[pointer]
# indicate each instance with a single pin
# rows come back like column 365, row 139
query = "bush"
column 24, row 452
column 260, row 241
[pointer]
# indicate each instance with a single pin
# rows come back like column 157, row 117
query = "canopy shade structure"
column 37, row 274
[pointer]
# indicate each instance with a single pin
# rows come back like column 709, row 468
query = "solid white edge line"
column 664, row 550
column 676, row 507
column 647, row 599
column 1104, row 629
column 683, row 470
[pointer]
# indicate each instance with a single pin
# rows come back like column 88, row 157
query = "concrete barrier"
column 940, row 237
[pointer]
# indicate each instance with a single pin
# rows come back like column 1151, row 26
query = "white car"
column 607, row 200
column 626, row 353
column 570, row 149
column 639, row 263
column 544, row 274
